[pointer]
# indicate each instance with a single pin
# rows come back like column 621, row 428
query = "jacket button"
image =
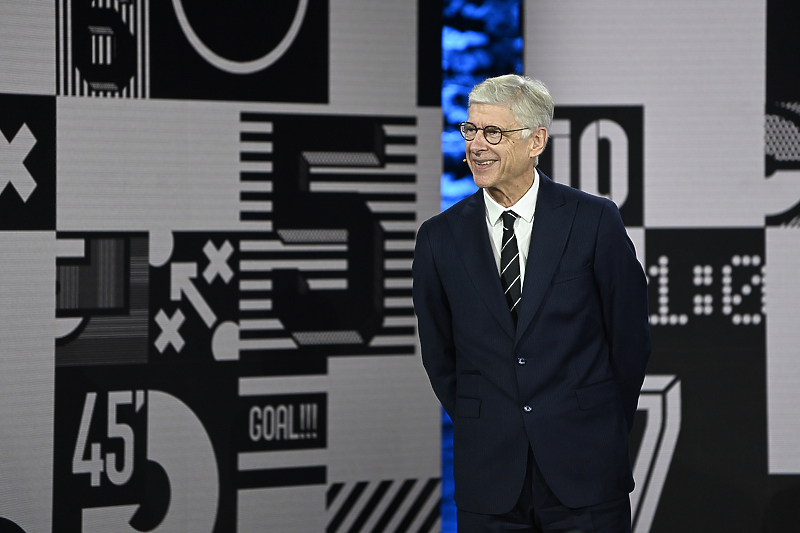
column 527, row 409
column 521, row 361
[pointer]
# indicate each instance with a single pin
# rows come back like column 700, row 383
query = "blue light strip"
column 479, row 40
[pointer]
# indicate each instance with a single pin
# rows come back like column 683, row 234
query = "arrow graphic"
column 181, row 284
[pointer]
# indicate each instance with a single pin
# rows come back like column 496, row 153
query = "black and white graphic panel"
column 700, row 165
column 782, row 120
column 188, row 318
column 344, row 212
column 708, row 325
column 226, row 297
column 373, row 177
column 717, row 326
column 240, row 51
column 143, row 448
column 660, row 410
column 27, row 162
column 123, row 413
column 281, row 440
column 206, row 304
column 390, row 192
column 600, row 150
column 364, row 391
column 706, row 289
column 27, row 54
column 318, row 268
column 102, row 48
column 194, row 298
column 782, row 162
column 121, row 425
column 27, row 270
column 389, row 505
column 283, row 422
column 102, row 283
column 343, row 215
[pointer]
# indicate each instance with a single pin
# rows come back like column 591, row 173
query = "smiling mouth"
column 485, row 163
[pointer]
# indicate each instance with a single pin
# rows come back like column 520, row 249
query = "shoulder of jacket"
column 452, row 211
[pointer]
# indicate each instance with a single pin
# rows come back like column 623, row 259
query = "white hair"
column 528, row 99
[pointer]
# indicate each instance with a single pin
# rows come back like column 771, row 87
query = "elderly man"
column 532, row 312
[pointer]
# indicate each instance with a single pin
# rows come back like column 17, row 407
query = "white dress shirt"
column 525, row 208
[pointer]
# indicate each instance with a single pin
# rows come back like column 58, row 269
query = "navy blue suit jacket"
column 583, row 334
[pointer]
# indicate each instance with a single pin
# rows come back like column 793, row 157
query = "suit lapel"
column 551, row 226
column 472, row 238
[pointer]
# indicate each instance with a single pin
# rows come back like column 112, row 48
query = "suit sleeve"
column 623, row 291
column 434, row 322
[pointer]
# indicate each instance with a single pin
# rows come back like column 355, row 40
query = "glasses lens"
column 468, row 130
column 493, row 134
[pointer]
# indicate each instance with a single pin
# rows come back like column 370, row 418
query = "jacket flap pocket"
column 468, row 407
column 597, row 394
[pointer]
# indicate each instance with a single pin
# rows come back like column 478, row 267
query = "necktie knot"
column 509, row 217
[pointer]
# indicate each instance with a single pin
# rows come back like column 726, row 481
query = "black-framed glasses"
column 492, row 134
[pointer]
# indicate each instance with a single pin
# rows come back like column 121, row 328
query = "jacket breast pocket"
column 582, row 272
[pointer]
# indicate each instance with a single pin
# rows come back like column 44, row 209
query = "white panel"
column 147, row 165
column 27, row 379
column 28, row 47
column 698, row 69
column 262, row 385
column 783, row 349
column 383, row 420
column 429, row 163
column 373, row 54
column 285, row 509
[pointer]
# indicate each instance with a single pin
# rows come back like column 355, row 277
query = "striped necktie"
column 509, row 264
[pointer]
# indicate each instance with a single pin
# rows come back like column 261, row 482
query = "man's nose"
column 479, row 142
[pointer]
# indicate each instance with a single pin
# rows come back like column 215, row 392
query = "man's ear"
column 538, row 141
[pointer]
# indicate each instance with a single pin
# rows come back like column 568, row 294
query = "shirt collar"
column 524, row 207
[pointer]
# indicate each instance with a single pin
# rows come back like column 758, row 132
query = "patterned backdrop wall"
column 207, row 216
column 207, row 219
column 686, row 114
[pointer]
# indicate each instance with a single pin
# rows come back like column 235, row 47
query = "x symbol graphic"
column 12, row 168
column 218, row 262
column 169, row 330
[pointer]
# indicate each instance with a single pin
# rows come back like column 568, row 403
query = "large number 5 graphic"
column 300, row 215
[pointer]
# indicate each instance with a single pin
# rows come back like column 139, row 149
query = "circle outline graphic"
column 240, row 67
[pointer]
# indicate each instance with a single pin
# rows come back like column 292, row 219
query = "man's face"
column 508, row 165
